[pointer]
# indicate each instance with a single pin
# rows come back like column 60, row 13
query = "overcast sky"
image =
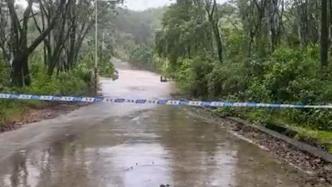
column 146, row 4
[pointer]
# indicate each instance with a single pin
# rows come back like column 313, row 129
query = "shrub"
column 142, row 56
column 192, row 78
column 293, row 76
column 75, row 82
column 228, row 79
column 105, row 67
column 4, row 75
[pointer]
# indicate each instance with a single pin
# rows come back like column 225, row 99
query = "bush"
column 290, row 76
column 191, row 76
column 228, row 79
column 4, row 75
column 74, row 82
column 293, row 76
column 105, row 66
column 143, row 56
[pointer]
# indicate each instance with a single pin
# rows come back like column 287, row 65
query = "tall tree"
column 19, row 47
column 55, row 41
column 324, row 40
column 62, row 45
column 186, row 32
column 306, row 20
column 4, row 32
column 211, row 8
column 275, row 11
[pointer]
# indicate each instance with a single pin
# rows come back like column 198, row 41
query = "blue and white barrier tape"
column 216, row 104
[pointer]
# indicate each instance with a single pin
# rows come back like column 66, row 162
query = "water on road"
column 111, row 145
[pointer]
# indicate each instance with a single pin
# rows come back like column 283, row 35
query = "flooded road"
column 107, row 145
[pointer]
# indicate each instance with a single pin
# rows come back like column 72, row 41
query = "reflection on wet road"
column 134, row 146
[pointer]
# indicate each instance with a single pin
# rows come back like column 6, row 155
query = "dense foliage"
column 270, row 52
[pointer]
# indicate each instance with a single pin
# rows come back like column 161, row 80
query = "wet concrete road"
column 134, row 146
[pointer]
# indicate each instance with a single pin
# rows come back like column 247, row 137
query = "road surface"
column 110, row 145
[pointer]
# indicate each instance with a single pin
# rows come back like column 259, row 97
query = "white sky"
column 146, row 4
column 21, row 2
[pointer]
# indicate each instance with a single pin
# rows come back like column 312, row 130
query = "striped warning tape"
column 216, row 104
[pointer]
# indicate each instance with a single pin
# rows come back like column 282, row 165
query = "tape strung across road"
column 216, row 104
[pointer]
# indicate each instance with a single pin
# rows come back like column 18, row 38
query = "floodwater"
column 115, row 145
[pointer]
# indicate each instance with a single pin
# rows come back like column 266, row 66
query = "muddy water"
column 134, row 146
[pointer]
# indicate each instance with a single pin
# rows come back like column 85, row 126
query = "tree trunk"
column 324, row 41
column 250, row 44
column 218, row 41
column 20, row 71
column 330, row 24
column 211, row 8
column 51, row 66
column 216, row 34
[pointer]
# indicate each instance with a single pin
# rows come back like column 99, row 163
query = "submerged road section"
column 119, row 145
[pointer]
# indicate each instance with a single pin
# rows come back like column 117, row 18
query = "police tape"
column 215, row 104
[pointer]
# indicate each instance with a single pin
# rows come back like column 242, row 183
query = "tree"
column 63, row 44
column 275, row 11
column 324, row 40
column 306, row 22
column 60, row 25
column 18, row 46
column 263, row 23
column 4, row 30
column 54, row 43
column 211, row 8
column 186, row 32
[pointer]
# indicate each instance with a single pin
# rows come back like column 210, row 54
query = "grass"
column 321, row 137
column 303, row 132
column 11, row 111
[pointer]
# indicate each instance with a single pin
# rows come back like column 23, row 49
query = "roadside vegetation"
column 246, row 51
column 46, row 47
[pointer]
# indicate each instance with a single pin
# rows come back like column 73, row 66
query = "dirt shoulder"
column 317, row 170
column 37, row 113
